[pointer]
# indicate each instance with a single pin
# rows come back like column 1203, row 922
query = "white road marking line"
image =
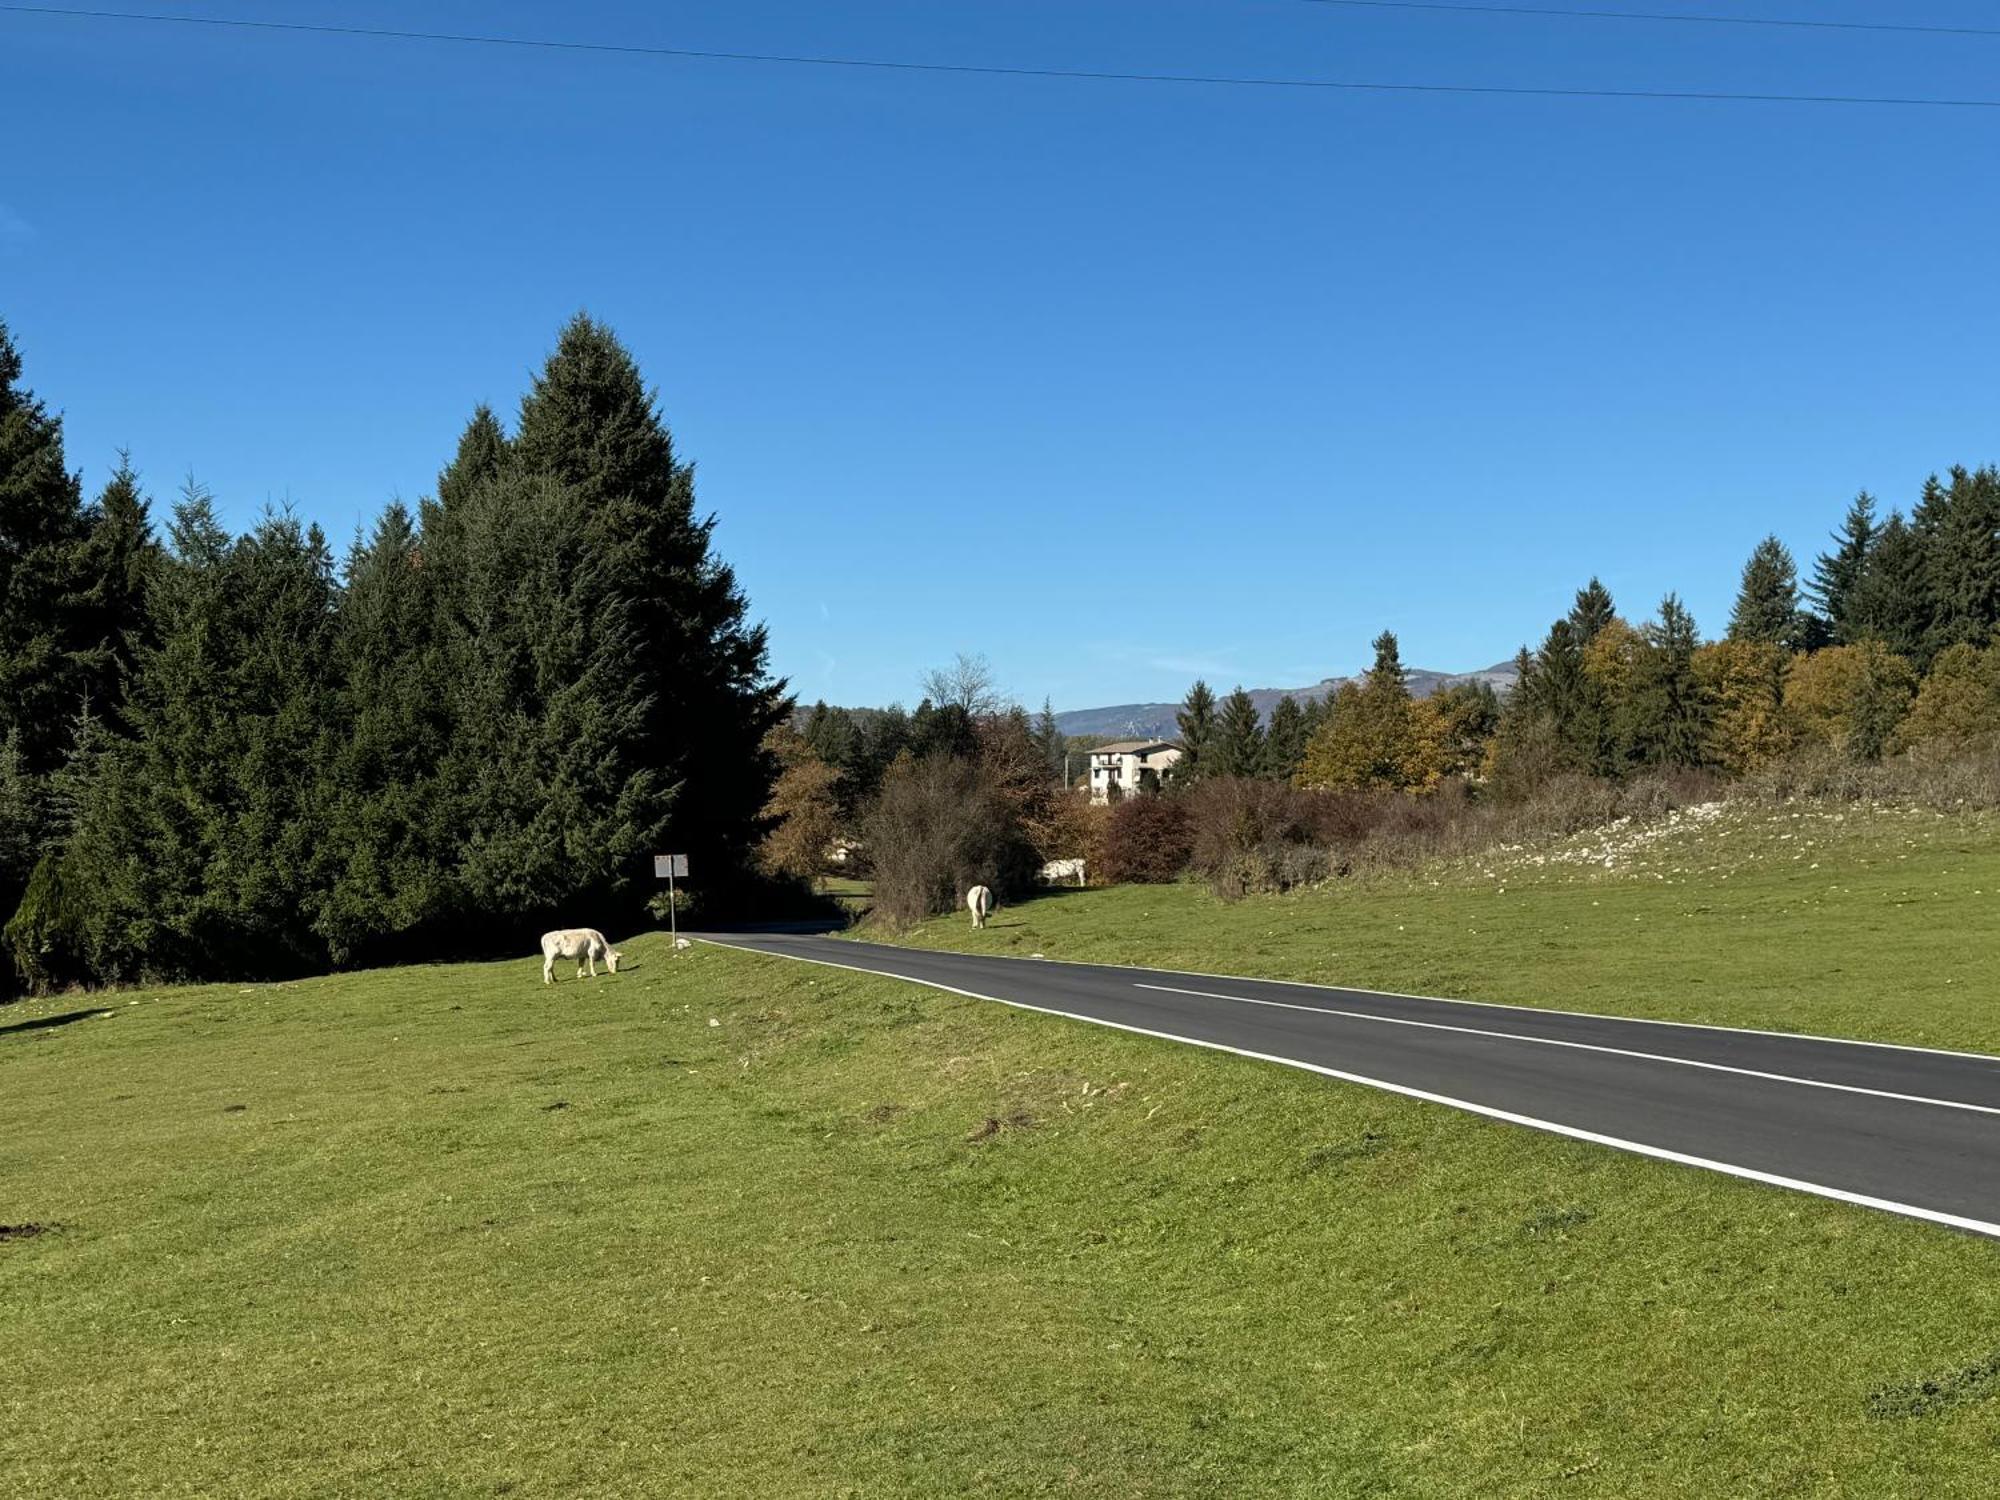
column 1549, row 1041
column 1572, row 1132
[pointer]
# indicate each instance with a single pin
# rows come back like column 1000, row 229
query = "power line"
column 1695, row 19
column 1701, row 96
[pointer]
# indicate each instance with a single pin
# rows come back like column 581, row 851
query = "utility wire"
column 1693, row 18
column 995, row 71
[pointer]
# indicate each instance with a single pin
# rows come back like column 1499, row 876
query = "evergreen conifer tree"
column 1959, row 524
column 481, row 456
column 1196, row 723
column 1238, row 746
column 1891, row 600
column 1667, row 717
column 42, row 528
column 1767, row 602
column 389, row 853
column 1285, row 741
column 1837, row 573
column 1387, row 677
column 1051, row 742
column 590, row 425
column 1592, row 611
column 115, row 559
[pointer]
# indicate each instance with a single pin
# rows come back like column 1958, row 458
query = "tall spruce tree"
column 1196, row 723
column 42, row 530
column 200, row 842
column 550, row 782
column 389, row 855
column 1836, row 574
column 1891, row 600
column 1051, row 742
column 1767, row 601
column 1238, row 747
column 114, row 562
column 1285, row 740
column 1592, row 611
column 1959, row 524
column 482, row 454
column 591, row 425
column 1667, row 716
column 1386, row 676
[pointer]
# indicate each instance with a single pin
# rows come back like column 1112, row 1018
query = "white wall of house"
column 1127, row 767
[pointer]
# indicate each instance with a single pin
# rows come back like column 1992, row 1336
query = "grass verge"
column 725, row 1225
column 1873, row 923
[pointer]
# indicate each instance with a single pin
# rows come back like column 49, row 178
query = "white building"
column 1127, row 766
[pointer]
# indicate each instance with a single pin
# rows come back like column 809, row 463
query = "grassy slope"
column 337, row 1238
column 1871, row 923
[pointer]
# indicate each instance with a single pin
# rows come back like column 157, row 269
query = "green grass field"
column 726, row 1225
column 1878, row 923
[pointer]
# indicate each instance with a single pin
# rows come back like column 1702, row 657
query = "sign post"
column 666, row 867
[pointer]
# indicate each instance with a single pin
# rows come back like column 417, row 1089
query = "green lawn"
column 726, row 1225
column 1875, row 923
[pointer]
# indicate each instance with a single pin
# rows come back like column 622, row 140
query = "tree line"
column 1893, row 644
column 239, row 754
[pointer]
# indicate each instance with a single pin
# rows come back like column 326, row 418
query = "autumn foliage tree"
column 803, row 812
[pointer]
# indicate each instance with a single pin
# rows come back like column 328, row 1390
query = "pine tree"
column 1891, row 600
column 1285, row 740
column 481, row 456
column 1238, row 748
column 389, row 854
column 1196, row 723
column 590, row 425
column 1051, row 742
column 1960, row 527
column 1767, row 602
column 42, row 529
column 1386, row 677
column 199, row 843
column 1837, row 573
column 1667, row 717
column 551, row 787
column 1592, row 611
column 115, row 560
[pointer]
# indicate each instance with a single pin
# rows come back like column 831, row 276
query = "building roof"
column 1133, row 747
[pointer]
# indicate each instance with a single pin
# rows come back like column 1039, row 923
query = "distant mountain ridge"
column 1156, row 720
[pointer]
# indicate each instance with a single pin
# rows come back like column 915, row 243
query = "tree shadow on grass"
column 43, row 1023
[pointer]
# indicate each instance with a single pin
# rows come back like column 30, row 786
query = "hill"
column 726, row 1225
column 1156, row 720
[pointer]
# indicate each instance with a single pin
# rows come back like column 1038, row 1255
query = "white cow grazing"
column 584, row 944
column 979, row 901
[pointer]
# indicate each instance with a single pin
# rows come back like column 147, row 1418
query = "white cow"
column 584, row 944
column 979, row 901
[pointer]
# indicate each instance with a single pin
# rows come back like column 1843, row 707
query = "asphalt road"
column 1907, row 1130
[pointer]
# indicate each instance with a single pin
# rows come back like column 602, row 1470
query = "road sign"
column 672, row 867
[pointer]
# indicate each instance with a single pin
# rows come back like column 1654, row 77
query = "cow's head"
column 611, row 959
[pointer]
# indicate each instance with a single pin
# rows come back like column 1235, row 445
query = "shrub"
column 1147, row 841
column 937, row 827
column 45, row 933
column 1246, row 833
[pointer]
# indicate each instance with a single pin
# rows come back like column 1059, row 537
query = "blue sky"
column 1117, row 383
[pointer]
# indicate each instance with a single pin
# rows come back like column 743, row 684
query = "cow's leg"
column 591, row 959
column 548, row 969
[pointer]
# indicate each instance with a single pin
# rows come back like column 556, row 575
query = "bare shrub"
column 1146, row 841
column 939, row 826
column 1245, row 831
column 1932, row 778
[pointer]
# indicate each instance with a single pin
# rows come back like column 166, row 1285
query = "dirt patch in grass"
column 994, row 1125
column 11, row 1232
